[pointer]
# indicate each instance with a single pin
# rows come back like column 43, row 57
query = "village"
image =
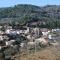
column 31, row 38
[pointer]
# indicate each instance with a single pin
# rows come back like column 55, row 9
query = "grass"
column 49, row 53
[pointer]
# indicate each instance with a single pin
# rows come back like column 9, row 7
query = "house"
column 12, row 31
column 18, row 32
column 24, row 31
column 1, row 27
column 35, row 32
column 45, row 31
column 7, row 31
column 9, row 43
column 54, row 30
column 57, row 31
column 52, row 38
column 22, row 45
column 3, row 37
column 7, row 27
column 2, row 32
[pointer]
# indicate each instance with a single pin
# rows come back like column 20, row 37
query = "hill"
column 24, row 13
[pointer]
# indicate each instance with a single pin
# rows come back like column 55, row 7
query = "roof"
column 44, row 29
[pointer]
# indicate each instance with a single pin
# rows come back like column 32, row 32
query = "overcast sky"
column 9, row 3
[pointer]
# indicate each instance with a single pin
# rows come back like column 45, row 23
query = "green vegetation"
column 23, row 14
column 20, row 39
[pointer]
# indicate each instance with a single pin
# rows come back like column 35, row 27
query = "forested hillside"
column 48, row 16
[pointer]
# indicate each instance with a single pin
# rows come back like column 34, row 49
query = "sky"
column 9, row 3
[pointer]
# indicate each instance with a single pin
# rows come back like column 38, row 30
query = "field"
column 49, row 53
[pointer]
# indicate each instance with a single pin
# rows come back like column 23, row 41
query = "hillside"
column 24, row 13
column 18, row 13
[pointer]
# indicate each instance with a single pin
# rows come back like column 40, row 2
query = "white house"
column 50, row 36
column 22, row 45
column 7, row 31
column 25, row 31
column 55, row 30
column 12, row 31
column 1, row 27
column 3, row 37
column 18, row 31
column 45, row 31
column 9, row 43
